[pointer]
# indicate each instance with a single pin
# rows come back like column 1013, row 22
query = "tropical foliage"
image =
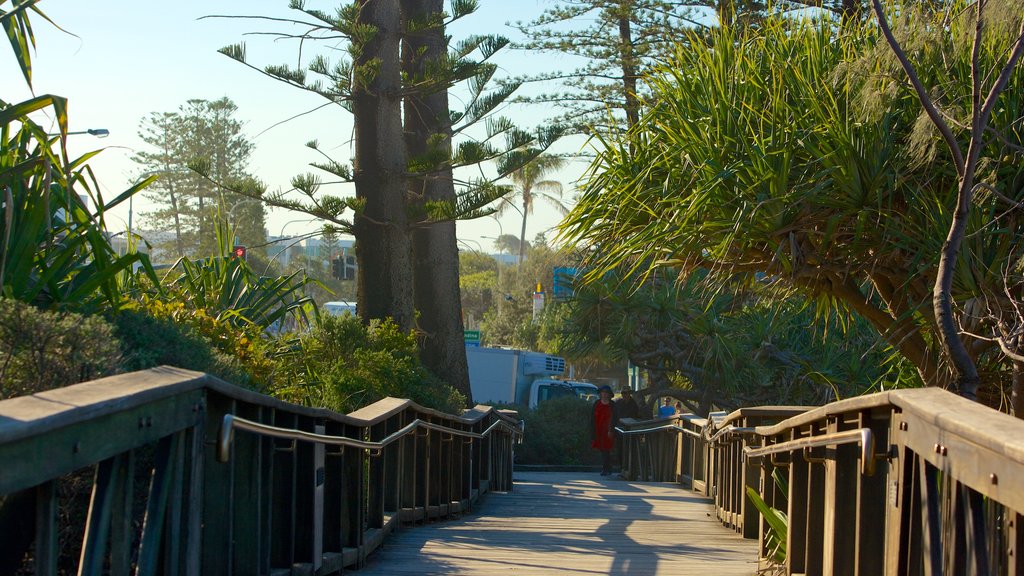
column 822, row 177
column 343, row 364
column 510, row 321
column 528, row 185
column 777, row 529
column 53, row 251
column 213, row 314
column 739, row 347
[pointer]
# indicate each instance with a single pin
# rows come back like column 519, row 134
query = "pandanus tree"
column 970, row 176
column 737, row 347
column 798, row 156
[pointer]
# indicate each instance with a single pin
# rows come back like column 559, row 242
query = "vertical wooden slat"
column 97, row 524
column 218, row 501
column 751, row 479
column 910, row 546
column 954, row 528
column 173, row 554
column 334, row 494
column 872, row 503
column 377, row 483
column 434, row 469
column 305, row 488
column 796, row 540
column 931, row 536
column 426, row 464
column 841, row 472
column 246, row 463
column 815, row 518
column 391, row 457
column 477, row 451
column 282, row 504
column 193, row 537
column 121, row 519
column 407, row 466
column 353, row 508
column 977, row 535
column 151, row 543
column 466, row 458
column 1015, row 538
column 267, row 494
column 319, row 479
column 46, row 529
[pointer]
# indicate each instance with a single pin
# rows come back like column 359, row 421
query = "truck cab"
column 547, row 389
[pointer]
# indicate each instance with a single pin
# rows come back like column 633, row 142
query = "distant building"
column 342, row 247
column 499, row 258
column 284, row 248
column 156, row 243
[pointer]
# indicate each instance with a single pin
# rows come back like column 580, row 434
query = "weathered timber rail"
column 906, row 482
column 234, row 482
column 228, row 481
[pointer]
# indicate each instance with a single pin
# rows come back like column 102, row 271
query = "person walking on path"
column 627, row 405
column 603, row 419
column 667, row 410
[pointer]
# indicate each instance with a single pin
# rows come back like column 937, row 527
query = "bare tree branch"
column 922, row 94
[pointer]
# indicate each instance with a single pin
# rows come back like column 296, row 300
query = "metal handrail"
column 657, row 428
column 731, row 429
column 232, row 422
column 864, row 437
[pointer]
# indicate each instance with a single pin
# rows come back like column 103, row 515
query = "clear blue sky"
column 127, row 59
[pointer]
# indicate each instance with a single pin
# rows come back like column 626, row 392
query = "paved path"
column 573, row 523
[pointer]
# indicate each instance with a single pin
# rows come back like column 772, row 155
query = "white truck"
column 506, row 376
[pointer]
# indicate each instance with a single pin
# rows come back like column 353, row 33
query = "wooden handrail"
column 863, row 437
column 232, row 422
column 210, row 509
column 900, row 482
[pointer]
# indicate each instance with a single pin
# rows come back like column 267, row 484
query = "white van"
column 339, row 307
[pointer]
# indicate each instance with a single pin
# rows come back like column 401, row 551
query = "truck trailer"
column 507, row 376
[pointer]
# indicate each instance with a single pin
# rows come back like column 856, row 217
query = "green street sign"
column 471, row 335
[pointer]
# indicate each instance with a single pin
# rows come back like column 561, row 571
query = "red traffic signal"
column 238, row 252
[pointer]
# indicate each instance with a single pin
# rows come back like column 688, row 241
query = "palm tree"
column 527, row 184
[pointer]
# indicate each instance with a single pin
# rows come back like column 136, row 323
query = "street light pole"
column 97, row 132
column 281, row 235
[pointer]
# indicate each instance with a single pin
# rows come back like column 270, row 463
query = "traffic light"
column 348, row 271
column 238, row 252
column 337, row 268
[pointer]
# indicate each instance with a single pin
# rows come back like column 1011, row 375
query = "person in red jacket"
column 603, row 420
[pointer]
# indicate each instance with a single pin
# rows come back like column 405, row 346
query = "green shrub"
column 41, row 350
column 557, row 432
column 343, row 365
column 148, row 340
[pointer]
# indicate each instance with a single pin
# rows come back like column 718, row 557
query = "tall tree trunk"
column 629, row 74
column 381, row 228
column 522, row 231
column 435, row 246
column 177, row 222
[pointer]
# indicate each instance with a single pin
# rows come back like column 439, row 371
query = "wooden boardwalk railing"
column 901, row 483
column 226, row 481
column 222, row 479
